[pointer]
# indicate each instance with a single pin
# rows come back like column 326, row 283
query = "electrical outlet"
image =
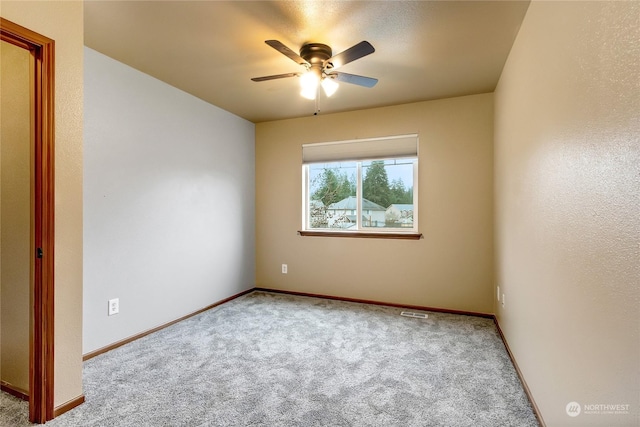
column 502, row 300
column 498, row 293
column 284, row 268
column 114, row 306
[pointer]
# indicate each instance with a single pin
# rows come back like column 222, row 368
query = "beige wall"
column 452, row 267
column 15, row 215
column 63, row 22
column 567, row 154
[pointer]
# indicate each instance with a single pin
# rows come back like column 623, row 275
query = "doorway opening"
column 41, row 74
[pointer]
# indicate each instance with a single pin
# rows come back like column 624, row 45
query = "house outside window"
column 361, row 186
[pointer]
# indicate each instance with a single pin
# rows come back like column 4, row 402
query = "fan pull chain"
column 317, row 110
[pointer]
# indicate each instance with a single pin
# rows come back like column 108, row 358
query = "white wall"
column 567, row 179
column 168, row 199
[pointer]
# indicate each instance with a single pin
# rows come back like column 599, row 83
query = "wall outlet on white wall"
column 114, row 306
column 284, row 268
column 502, row 300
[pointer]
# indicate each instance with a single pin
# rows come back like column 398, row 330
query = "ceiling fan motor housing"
column 316, row 54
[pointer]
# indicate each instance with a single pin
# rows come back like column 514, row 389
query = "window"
column 362, row 186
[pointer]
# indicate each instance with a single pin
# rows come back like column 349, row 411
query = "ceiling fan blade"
column 357, row 51
column 275, row 76
column 286, row 52
column 354, row 79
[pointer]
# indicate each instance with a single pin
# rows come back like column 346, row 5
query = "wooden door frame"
column 41, row 354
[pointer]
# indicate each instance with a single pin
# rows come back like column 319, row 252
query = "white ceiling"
column 211, row 49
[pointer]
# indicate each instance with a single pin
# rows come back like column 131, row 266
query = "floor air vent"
column 416, row 315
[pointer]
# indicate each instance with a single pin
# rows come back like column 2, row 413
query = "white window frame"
column 357, row 151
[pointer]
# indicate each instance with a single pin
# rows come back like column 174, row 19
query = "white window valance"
column 361, row 149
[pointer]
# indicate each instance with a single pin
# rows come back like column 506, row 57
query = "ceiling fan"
column 320, row 67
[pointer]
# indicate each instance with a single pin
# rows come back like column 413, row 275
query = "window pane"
column 387, row 193
column 332, row 195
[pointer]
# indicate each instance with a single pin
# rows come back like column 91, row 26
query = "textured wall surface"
column 62, row 21
column 452, row 267
column 169, row 202
column 15, row 215
column 567, row 157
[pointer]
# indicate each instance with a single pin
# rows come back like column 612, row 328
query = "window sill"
column 361, row 235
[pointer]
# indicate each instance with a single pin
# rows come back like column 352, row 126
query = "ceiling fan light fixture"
column 309, row 93
column 329, row 85
column 309, row 84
